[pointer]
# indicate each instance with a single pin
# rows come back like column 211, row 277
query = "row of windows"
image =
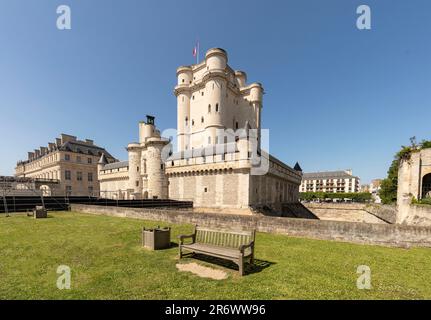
column 78, row 159
column 45, row 160
column 68, row 176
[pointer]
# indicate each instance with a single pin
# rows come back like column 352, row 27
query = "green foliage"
column 426, row 201
column 388, row 192
column 356, row 197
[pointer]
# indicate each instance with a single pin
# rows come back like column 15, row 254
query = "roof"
column 84, row 148
column 297, row 167
column 103, row 159
column 116, row 165
column 327, row 175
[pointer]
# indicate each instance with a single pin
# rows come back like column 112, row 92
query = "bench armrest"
column 245, row 246
column 189, row 236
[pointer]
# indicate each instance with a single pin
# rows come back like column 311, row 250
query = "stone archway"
column 426, row 186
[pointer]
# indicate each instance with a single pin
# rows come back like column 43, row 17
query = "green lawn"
column 107, row 262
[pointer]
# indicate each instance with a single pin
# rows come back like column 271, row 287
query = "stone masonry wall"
column 381, row 234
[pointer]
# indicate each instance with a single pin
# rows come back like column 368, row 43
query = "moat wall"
column 364, row 233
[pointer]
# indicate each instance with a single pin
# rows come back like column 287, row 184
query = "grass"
column 107, row 262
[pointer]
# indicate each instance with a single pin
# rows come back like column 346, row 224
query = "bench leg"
column 241, row 267
column 181, row 252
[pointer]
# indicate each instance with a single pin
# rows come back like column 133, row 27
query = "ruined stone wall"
column 364, row 233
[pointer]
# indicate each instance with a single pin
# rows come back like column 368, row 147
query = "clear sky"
column 336, row 97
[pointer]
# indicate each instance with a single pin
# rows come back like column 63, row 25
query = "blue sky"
column 336, row 97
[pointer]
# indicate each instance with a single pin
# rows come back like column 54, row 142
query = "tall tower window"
column 202, row 93
column 236, row 125
column 209, row 108
column 217, row 107
column 187, row 121
column 202, row 120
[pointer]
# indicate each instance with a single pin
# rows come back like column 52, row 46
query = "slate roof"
column 116, row 165
column 327, row 175
column 83, row 148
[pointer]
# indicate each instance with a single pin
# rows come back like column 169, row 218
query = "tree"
column 388, row 192
column 389, row 186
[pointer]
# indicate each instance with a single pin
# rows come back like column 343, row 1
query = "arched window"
column 209, row 108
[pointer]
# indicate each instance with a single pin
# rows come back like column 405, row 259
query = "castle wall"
column 411, row 173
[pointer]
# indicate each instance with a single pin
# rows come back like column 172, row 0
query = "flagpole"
column 197, row 55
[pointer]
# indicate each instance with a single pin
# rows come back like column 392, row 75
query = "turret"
column 147, row 129
column 157, row 179
column 241, row 78
column 216, row 59
column 183, row 94
column 101, row 164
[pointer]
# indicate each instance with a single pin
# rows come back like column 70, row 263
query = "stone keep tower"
column 212, row 97
column 146, row 164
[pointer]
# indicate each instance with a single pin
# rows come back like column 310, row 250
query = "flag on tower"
column 196, row 52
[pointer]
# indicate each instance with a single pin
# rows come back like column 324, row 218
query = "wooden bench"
column 236, row 246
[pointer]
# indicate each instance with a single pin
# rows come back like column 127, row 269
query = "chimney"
column 51, row 146
column 65, row 138
column 58, row 142
column 30, row 155
column 37, row 152
column 89, row 141
column 43, row 150
column 349, row 171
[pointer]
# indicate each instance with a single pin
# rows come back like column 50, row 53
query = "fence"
column 26, row 203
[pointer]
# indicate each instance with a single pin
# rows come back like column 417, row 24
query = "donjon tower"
column 215, row 164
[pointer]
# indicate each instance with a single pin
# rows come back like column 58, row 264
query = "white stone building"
column 219, row 162
column 330, row 181
column 69, row 162
column 143, row 175
column 215, row 165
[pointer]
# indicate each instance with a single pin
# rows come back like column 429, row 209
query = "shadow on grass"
column 258, row 266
